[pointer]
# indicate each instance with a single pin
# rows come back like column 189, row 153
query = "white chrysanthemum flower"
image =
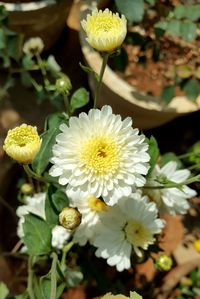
column 90, row 208
column 36, row 205
column 172, row 200
column 60, row 235
column 33, row 46
column 105, row 30
column 100, row 154
column 129, row 225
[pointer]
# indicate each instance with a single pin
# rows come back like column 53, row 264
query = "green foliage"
column 79, row 99
column 37, row 235
column 59, row 200
column 170, row 156
column 3, row 290
column 132, row 9
column 192, row 89
column 120, row 60
column 168, row 93
column 153, row 152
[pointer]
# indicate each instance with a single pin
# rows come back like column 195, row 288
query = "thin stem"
column 30, row 277
column 173, row 184
column 66, row 103
column 98, row 88
column 54, row 276
column 32, row 174
column 183, row 156
column 66, row 249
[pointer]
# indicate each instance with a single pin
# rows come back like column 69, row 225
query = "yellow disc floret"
column 97, row 205
column 22, row 143
column 105, row 30
column 197, row 245
column 137, row 234
column 100, row 155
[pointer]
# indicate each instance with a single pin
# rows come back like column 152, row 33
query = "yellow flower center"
column 96, row 204
column 101, row 155
column 137, row 234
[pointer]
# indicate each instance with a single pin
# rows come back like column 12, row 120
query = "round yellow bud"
column 105, row 30
column 26, row 188
column 63, row 85
column 22, row 143
column 70, row 218
column 164, row 262
column 197, row 245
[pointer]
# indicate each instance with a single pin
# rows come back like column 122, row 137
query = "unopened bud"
column 63, row 85
column 164, row 262
column 26, row 188
column 70, row 218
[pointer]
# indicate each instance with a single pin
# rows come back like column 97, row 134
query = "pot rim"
column 11, row 7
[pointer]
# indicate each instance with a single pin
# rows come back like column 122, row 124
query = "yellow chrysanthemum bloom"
column 197, row 245
column 105, row 30
column 22, row 143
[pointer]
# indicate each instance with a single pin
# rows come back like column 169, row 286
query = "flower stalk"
column 54, row 276
column 30, row 277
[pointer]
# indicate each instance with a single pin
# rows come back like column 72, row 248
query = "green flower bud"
column 26, row 188
column 164, row 262
column 70, row 218
column 63, row 85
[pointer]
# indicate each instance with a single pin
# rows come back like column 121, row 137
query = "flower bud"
column 164, row 262
column 33, row 46
column 197, row 245
column 26, row 188
column 63, row 85
column 22, row 143
column 70, row 218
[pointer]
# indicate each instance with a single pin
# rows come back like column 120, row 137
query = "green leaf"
column 52, row 64
column 173, row 27
column 151, row 2
column 162, row 25
column 188, row 30
column 37, row 235
column 134, row 295
column 168, row 93
column 79, row 99
column 3, row 290
column 193, row 12
column 2, row 39
column 153, row 153
column 27, row 62
column 50, row 211
column 15, row 46
column 170, row 157
column 73, row 277
column 60, row 200
column 89, row 70
column 22, row 296
column 132, row 9
column 54, row 120
column 41, row 160
column 192, row 89
column 26, row 79
column 180, row 11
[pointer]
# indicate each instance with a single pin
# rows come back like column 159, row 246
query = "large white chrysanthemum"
column 36, row 205
column 172, row 200
column 101, row 155
column 129, row 225
column 90, row 208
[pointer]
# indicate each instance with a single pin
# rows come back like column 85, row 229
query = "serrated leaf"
column 3, row 290
column 55, row 119
column 192, row 89
column 162, row 25
column 180, row 11
column 79, row 99
column 188, row 30
column 193, row 12
column 168, row 93
column 132, row 9
column 153, row 153
column 41, row 160
column 37, row 235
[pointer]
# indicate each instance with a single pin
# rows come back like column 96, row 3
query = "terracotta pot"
column 147, row 111
column 44, row 18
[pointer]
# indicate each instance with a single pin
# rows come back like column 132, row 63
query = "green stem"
column 174, row 185
column 30, row 277
column 66, row 103
column 188, row 155
column 32, row 174
column 54, row 276
column 98, row 88
column 66, row 249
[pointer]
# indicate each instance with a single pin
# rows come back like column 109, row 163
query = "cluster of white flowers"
column 36, row 205
column 103, row 161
